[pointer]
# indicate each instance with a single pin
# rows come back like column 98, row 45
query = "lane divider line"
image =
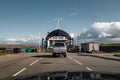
column 89, row 69
column 34, row 62
column 75, row 60
column 19, row 72
column 78, row 62
column 70, row 57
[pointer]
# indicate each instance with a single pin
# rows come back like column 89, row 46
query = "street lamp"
column 76, row 40
column 42, row 44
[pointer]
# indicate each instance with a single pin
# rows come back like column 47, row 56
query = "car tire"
column 64, row 55
column 53, row 54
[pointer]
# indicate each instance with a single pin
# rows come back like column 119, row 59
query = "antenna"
column 58, row 22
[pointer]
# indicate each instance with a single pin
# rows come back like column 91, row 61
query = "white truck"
column 59, row 48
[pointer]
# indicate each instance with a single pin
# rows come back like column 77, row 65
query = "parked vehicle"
column 59, row 48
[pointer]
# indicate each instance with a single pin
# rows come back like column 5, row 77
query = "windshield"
column 59, row 45
column 66, row 39
column 73, row 76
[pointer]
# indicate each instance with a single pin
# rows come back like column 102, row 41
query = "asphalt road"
column 20, row 65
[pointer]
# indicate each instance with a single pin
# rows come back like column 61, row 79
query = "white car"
column 59, row 48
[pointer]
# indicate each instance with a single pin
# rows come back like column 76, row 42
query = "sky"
column 24, row 20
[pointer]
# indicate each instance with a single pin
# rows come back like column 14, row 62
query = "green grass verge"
column 110, row 44
column 2, row 54
column 117, row 54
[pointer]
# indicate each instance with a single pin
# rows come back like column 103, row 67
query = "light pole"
column 42, row 44
column 39, row 41
column 76, row 40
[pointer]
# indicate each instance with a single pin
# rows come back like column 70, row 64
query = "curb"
column 106, row 58
column 103, row 57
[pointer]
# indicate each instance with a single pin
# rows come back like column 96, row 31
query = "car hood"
column 66, row 75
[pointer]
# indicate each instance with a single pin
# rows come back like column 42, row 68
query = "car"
column 71, row 75
column 59, row 48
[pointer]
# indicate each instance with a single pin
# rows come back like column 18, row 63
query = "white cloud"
column 74, row 14
column 84, row 29
column 28, row 40
column 72, row 35
column 23, row 39
column 105, row 34
column 102, row 32
column 89, row 35
column 11, row 39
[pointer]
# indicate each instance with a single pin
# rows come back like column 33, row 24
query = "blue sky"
column 20, row 18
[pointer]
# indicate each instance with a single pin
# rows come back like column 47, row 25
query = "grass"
column 117, row 54
column 2, row 54
column 110, row 44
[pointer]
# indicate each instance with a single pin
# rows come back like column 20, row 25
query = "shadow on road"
column 43, row 56
column 46, row 56
column 82, row 55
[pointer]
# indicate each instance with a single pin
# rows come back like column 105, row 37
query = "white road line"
column 75, row 60
column 70, row 57
column 89, row 69
column 78, row 62
column 19, row 72
column 34, row 62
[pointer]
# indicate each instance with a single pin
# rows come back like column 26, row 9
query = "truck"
column 59, row 48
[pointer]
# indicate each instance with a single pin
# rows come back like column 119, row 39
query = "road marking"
column 19, row 72
column 78, row 62
column 75, row 60
column 89, row 69
column 34, row 62
column 70, row 57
